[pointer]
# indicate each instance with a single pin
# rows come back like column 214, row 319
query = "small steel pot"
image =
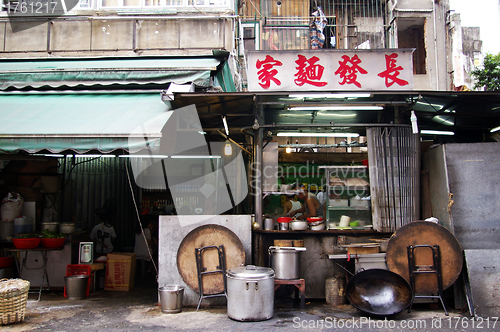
column 284, row 223
column 250, row 293
column 283, row 226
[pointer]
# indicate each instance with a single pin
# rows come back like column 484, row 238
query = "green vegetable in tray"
column 52, row 235
column 25, row 236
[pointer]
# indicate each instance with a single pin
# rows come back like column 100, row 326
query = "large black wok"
column 379, row 292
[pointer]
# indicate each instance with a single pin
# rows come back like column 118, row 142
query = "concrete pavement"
column 138, row 310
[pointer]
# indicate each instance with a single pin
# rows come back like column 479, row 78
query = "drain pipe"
column 435, row 44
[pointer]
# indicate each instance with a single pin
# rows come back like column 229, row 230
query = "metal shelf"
column 346, row 172
column 348, row 208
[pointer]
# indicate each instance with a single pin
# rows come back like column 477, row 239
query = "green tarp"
column 81, row 122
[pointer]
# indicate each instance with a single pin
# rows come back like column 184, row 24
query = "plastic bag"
column 12, row 206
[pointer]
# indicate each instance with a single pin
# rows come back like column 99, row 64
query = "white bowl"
column 319, row 227
column 298, row 225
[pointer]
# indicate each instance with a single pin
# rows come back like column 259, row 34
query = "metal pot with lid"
column 250, row 293
column 285, row 261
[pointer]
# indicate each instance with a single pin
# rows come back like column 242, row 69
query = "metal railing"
column 346, row 24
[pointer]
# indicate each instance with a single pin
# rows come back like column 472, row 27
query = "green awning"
column 81, row 122
column 21, row 73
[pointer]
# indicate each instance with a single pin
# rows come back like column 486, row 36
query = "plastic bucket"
column 76, row 286
column 171, row 298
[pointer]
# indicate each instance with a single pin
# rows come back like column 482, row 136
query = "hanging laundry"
column 316, row 29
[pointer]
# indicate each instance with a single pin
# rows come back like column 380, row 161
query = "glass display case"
column 347, row 197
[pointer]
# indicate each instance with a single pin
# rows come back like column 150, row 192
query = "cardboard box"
column 120, row 271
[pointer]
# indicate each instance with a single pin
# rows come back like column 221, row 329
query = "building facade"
column 100, row 28
column 345, row 24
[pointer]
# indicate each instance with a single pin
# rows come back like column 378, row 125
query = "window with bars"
column 346, row 24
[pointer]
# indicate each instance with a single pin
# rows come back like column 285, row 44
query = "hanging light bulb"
column 228, row 149
column 288, row 149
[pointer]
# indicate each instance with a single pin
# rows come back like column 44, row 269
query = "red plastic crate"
column 78, row 269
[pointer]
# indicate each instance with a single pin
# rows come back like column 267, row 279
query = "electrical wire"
column 139, row 218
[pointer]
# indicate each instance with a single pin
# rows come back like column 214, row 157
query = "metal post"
column 257, row 167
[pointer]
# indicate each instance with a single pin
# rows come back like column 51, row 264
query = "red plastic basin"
column 30, row 243
column 285, row 219
column 52, row 243
column 6, row 262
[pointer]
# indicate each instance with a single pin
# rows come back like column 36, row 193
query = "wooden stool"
column 300, row 285
column 95, row 269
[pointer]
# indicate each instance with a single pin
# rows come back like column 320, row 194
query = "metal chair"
column 202, row 270
column 435, row 268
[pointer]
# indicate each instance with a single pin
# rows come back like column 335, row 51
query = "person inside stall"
column 143, row 247
column 103, row 234
column 312, row 206
column 291, row 204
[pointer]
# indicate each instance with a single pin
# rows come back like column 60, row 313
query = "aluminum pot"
column 269, row 224
column 51, row 226
column 67, row 228
column 250, row 293
column 285, row 261
column 299, row 225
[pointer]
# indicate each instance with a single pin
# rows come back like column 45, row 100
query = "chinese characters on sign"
column 267, row 71
column 392, row 72
column 348, row 73
column 307, row 70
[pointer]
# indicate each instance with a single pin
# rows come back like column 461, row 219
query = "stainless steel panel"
column 483, row 268
column 473, row 170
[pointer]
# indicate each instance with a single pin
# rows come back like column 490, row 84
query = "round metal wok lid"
column 425, row 233
column 379, row 292
column 208, row 235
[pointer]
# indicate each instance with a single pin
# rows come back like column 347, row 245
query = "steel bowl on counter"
column 299, row 225
column 250, row 293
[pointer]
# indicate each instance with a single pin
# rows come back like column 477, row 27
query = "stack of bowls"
column 316, row 223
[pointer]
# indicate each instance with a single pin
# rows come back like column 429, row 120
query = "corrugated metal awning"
column 20, row 73
column 81, row 122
